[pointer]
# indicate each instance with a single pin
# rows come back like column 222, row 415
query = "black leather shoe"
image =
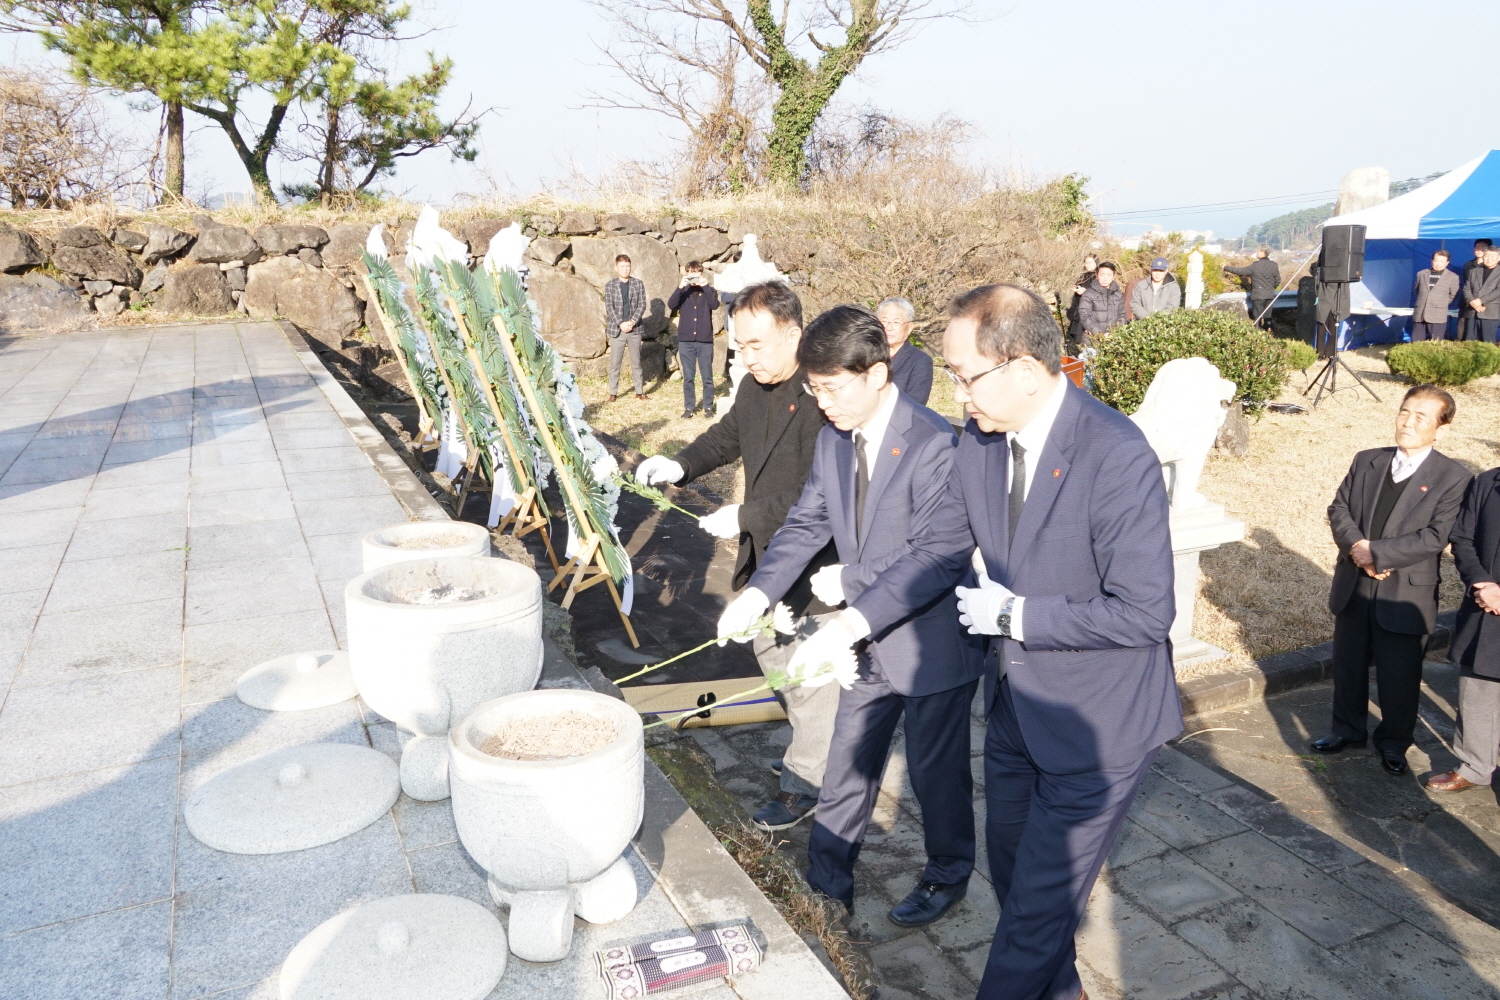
column 1334, row 744
column 786, row 810
column 1394, row 761
column 926, row 903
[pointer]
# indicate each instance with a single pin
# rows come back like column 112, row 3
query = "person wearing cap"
column 1160, row 294
column 1265, row 282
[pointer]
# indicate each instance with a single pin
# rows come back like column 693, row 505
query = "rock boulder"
column 154, row 279
column 18, row 251
column 699, row 244
column 312, row 298
column 650, row 261
column 199, row 290
column 572, row 313
column 97, row 263
column 129, row 239
column 477, row 234
column 81, row 237
column 218, row 244
column 345, row 242
column 623, row 223
column 547, row 250
column 34, row 302
column 285, row 239
column 163, row 243
column 577, row 224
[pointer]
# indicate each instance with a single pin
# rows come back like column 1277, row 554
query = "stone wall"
column 308, row 274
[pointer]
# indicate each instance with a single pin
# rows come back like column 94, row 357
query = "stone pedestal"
column 1196, row 529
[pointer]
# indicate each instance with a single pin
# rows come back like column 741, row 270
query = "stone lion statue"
column 1181, row 416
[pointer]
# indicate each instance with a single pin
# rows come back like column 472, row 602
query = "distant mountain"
column 1299, row 230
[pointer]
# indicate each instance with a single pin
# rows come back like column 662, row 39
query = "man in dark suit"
column 1476, row 638
column 1390, row 521
column 880, row 471
column 773, row 427
column 911, row 367
column 1065, row 501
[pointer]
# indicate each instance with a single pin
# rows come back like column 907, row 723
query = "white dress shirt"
column 1033, row 437
column 1403, row 467
column 872, row 434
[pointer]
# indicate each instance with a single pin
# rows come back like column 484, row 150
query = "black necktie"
column 1017, row 485
column 861, row 483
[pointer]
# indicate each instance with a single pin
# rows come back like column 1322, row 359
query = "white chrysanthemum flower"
column 782, row 620
column 842, row 667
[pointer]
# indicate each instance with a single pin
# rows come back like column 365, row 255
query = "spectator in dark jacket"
column 1265, row 282
column 1102, row 305
column 911, row 367
column 1433, row 292
column 1157, row 294
column 1482, row 293
column 694, row 300
column 1075, row 328
column 1466, row 328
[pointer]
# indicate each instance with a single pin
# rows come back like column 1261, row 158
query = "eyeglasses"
column 967, row 382
column 818, row 392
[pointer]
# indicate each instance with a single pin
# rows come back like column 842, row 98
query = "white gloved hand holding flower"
column 742, row 612
column 722, row 523
column 826, row 655
column 658, row 470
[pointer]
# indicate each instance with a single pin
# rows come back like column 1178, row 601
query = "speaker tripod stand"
column 1327, row 379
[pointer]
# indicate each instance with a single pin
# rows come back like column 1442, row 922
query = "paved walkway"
column 176, row 505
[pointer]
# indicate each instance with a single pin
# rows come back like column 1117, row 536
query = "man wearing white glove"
column 880, row 470
column 1064, row 499
column 771, row 427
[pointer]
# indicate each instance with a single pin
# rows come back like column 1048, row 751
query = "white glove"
column 722, row 523
column 742, row 612
column 979, row 607
column 832, row 643
column 658, row 469
column 828, row 585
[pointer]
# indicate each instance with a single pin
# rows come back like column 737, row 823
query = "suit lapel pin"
column 1056, row 473
column 792, row 408
column 897, row 451
column 1424, row 489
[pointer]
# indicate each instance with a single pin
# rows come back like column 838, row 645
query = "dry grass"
column 1270, row 593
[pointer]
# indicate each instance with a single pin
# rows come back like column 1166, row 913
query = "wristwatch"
column 1003, row 621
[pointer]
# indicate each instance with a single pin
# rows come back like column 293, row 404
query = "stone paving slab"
column 176, row 505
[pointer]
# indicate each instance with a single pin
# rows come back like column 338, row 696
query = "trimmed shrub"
column 1303, row 355
column 1129, row 357
column 1444, row 362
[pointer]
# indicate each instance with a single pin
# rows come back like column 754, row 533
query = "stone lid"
column 298, row 681
column 293, row 799
column 418, row 947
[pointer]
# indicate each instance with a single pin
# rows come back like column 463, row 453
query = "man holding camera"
column 694, row 300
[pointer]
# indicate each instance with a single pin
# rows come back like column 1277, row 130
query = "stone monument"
column 1363, row 188
column 1192, row 298
column 1181, row 416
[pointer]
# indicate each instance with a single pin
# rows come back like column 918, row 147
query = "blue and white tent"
column 1401, row 235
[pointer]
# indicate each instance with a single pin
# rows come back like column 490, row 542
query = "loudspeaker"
column 1307, row 308
column 1343, row 253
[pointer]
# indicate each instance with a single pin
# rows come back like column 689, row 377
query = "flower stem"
column 733, row 700
column 663, row 663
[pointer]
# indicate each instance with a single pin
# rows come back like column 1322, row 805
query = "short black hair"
column 620, row 257
column 774, row 297
column 1442, row 253
column 1429, row 391
column 1013, row 322
column 1109, row 264
column 693, row 265
column 843, row 339
column 1488, row 243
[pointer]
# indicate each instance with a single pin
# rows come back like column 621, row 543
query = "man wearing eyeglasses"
column 881, row 468
column 772, row 426
column 911, row 367
column 1064, row 500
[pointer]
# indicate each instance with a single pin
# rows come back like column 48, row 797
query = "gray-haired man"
column 911, row 367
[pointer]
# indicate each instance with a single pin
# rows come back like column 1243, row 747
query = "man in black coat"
column 1265, row 282
column 1476, row 639
column 694, row 300
column 1390, row 520
column 773, row 428
column 911, row 367
column 1466, row 328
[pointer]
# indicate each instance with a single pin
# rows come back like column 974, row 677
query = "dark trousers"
column 1260, row 312
column 696, row 360
column 1428, row 331
column 1048, row 835
column 937, row 758
column 1484, row 329
column 1466, row 324
column 1358, row 639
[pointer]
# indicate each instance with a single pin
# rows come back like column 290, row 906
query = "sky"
column 1182, row 114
